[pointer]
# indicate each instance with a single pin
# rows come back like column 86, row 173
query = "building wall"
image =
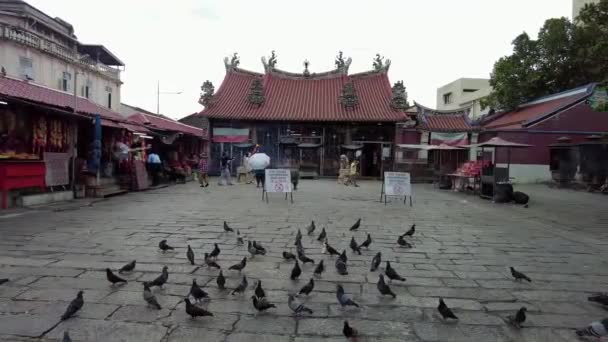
column 461, row 98
column 48, row 70
column 577, row 6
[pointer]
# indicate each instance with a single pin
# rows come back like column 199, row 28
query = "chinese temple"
column 306, row 120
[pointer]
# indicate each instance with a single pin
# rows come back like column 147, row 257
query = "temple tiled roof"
column 165, row 124
column 443, row 121
column 291, row 97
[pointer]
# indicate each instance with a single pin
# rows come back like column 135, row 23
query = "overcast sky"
column 182, row 43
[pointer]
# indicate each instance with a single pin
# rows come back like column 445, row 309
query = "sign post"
column 396, row 184
column 277, row 180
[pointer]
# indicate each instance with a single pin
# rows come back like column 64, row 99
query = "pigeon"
column 227, row 229
column 210, row 262
column 113, row 278
column 150, row 298
column 376, row 260
column 391, row 273
column 196, row 292
column 411, row 232
column 343, row 256
column 195, row 311
column 323, row 235
column 254, row 251
column 66, row 337
column 239, row 238
column 221, row 281
column 161, row 279
column 298, row 237
column 3, row 280
column 519, row 318
column 354, row 246
column 296, row 271
column 349, row 331
column 341, row 266
column 367, row 241
column 296, row 306
column 307, row 289
column 343, row 298
column 163, row 246
column 383, row 288
column 601, row 298
column 330, row 249
column 259, row 291
column 299, row 246
column 310, row 229
column 402, row 242
column 259, row 247
column 356, row 225
column 261, row 304
column 595, row 329
column 75, row 305
column 303, row 258
column 288, row 256
column 190, row 255
column 215, row 252
column 444, row 310
column 239, row 267
column 128, row 267
column 319, row 269
column 518, row 275
column 241, row 287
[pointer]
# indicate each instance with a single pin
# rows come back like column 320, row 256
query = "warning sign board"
column 278, row 180
column 397, row 184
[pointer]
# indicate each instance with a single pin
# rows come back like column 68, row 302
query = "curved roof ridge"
column 428, row 110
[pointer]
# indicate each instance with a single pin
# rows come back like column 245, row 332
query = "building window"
column 469, row 90
column 87, row 89
column 65, row 81
column 26, row 68
column 109, row 90
column 447, row 98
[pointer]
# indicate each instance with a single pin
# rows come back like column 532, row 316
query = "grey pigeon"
column 330, row 249
column 254, row 251
column 66, row 337
column 444, row 310
column 215, row 252
column 190, row 255
column 518, row 275
column 319, row 269
column 150, row 298
column 113, row 278
column 161, row 279
column 196, row 292
column 341, row 264
column 391, row 273
column 411, row 231
column 307, row 289
column 195, row 311
column 128, row 267
column 259, row 291
column 356, row 225
column 299, row 246
column 221, row 281
column 519, row 318
column 295, row 306
column 259, row 247
column 261, row 304
column 376, row 260
column 75, row 305
column 210, row 262
column 242, row 286
column 595, row 329
column 298, row 237
column 343, row 256
column 383, row 288
column 288, row 256
column 601, row 298
column 343, row 298
column 239, row 267
column 3, row 280
column 239, row 238
column 227, row 228
column 295, row 271
column 323, row 235
column 354, row 246
column 402, row 242
column 367, row 242
column 349, row 331
column 303, row 258
column 311, row 228
column 164, row 246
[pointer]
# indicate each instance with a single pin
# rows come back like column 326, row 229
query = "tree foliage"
column 565, row 55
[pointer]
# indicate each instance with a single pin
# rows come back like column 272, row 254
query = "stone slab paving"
column 462, row 250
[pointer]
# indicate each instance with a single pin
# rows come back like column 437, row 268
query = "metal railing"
column 29, row 39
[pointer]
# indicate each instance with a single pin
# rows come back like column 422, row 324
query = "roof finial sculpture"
column 233, row 62
column 272, row 61
column 380, row 64
column 349, row 98
column 399, row 99
column 306, row 64
column 256, row 92
column 341, row 64
column 208, row 90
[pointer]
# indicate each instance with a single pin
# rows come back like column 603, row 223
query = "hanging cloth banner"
column 231, row 135
column 451, row 139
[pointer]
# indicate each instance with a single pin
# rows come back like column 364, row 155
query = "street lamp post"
column 158, row 92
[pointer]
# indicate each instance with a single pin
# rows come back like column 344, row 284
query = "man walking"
column 203, row 170
column 154, row 165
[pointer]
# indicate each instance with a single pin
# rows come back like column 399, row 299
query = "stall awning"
column 232, row 135
column 134, row 128
column 109, row 123
column 352, row 147
column 452, row 139
column 309, row 145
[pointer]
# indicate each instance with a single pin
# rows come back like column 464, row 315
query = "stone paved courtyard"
column 463, row 248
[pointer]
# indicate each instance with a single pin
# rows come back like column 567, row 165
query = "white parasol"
column 259, row 161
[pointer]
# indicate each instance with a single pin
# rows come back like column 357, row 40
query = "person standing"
column 248, row 171
column 354, row 171
column 154, row 165
column 225, row 170
column 203, row 169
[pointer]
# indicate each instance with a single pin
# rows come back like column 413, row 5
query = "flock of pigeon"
column 261, row 303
